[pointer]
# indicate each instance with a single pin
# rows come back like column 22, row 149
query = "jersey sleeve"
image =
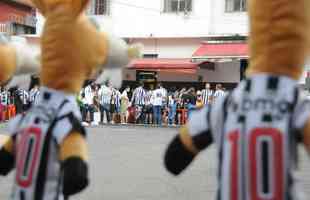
column 68, row 121
column 199, row 129
column 13, row 127
column 71, row 138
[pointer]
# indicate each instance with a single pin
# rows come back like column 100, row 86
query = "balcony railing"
column 27, row 20
column 3, row 28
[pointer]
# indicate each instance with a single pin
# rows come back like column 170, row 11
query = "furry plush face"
column 278, row 37
column 72, row 49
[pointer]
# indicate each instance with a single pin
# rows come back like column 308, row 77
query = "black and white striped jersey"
column 206, row 95
column 105, row 95
column 4, row 98
column 24, row 96
column 37, row 137
column 138, row 96
column 218, row 94
column 256, row 129
column 34, row 96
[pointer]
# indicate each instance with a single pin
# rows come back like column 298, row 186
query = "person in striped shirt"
column 105, row 94
column 207, row 94
column 34, row 95
column 4, row 97
column 24, row 97
column 138, row 100
column 219, row 92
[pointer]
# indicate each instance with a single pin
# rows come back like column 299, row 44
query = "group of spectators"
column 105, row 104
column 18, row 99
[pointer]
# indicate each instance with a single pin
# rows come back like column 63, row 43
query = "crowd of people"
column 104, row 104
column 17, row 100
column 101, row 104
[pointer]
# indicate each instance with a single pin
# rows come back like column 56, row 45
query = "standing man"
column 172, row 108
column 34, row 95
column 24, row 97
column 89, row 102
column 105, row 95
column 207, row 94
column 157, row 97
column 138, row 100
column 4, row 97
column 219, row 92
column 148, row 108
column 4, row 102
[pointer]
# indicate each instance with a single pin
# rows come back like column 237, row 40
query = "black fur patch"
column 7, row 162
column 177, row 157
column 203, row 140
column 75, row 178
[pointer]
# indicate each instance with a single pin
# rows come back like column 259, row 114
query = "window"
column 98, row 7
column 235, row 6
column 150, row 55
column 177, row 6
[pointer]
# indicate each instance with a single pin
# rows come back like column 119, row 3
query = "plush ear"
column 7, row 63
column 45, row 6
column 84, row 4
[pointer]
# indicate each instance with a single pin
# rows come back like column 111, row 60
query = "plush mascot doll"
column 47, row 145
column 258, row 126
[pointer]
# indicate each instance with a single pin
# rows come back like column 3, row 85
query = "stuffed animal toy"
column 48, row 144
column 258, row 126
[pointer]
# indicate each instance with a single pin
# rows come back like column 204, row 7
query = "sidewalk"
column 3, row 124
column 134, row 125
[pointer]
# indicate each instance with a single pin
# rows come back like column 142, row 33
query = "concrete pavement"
column 127, row 163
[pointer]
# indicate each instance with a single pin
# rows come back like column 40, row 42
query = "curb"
column 134, row 125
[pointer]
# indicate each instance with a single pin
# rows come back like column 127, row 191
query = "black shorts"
column 148, row 109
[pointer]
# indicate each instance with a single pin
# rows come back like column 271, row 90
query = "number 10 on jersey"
column 264, row 164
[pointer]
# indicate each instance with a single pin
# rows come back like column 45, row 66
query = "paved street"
column 126, row 163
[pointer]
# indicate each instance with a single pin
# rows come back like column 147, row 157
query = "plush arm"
column 183, row 149
column 7, row 159
column 73, row 154
column 18, row 58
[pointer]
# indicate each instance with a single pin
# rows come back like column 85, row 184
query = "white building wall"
column 170, row 47
column 142, row 19
column 227, row 23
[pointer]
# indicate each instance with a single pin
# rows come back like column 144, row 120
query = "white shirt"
column 158, row 97
column 89, row 95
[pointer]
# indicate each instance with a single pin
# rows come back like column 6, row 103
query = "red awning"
column 221, row 50
column 164, row 64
